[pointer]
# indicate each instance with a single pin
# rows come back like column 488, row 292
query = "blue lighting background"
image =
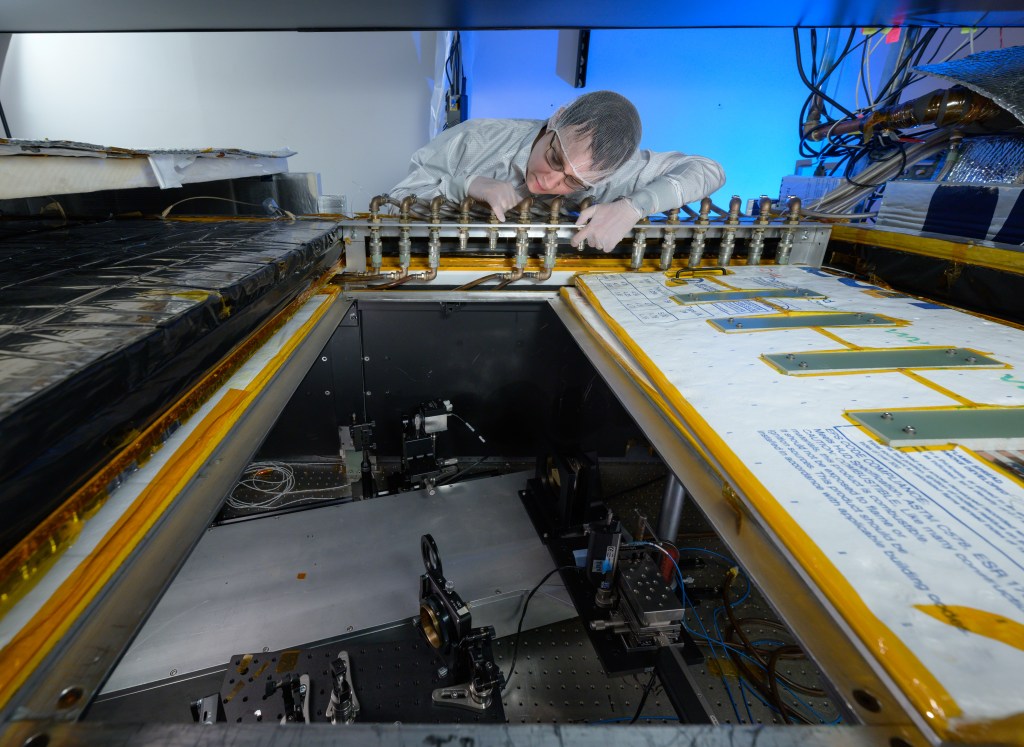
column 733, row 95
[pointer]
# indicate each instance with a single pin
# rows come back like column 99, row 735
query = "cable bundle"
column 866, row 165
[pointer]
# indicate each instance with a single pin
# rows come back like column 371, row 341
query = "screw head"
column 909, row 429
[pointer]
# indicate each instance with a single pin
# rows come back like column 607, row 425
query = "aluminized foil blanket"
column 992, row 159
column 997, row 74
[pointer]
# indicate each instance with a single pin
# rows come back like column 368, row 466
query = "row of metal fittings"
column 701, row 224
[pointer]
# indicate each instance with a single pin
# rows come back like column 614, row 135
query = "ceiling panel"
column 194, row 15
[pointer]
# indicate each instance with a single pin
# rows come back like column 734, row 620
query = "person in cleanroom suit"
column 588, row 148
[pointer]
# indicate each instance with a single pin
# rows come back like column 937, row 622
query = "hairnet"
column 599, row 132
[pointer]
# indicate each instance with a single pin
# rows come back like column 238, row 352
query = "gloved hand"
column 501, row 196
column 605, row 225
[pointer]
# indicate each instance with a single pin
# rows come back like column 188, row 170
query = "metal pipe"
column 952, row 156
column 394, row 283
column 942, row 107
column 434, row 242
column 480, row 280
column 672, row 501
column 404, row 242
column 639, row 244
column 786, row 242
column 516, row 274
column 550, row 241
column 728, row 245
column 376, row 246
column 522, row 235
column 464, row 207
column 668, row 239
column 757, row 237
column 699, row 230
column 492, row 232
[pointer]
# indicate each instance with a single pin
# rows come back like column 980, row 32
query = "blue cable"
column 796, row 697
column 682, row 592
column 746, row 705
column 721, row 641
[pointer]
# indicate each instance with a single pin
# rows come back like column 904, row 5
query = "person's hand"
column 605, row 225
column 501, row 196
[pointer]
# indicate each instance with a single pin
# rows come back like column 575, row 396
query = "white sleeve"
column 655, row 182
column 436, row 168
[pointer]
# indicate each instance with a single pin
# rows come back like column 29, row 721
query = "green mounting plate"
column 688, row 299
column 935, row 427
column 879, row 359
column 802, row 321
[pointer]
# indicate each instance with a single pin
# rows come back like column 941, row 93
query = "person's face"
column 548, row 172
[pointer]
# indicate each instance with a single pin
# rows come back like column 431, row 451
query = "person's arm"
column 436, row 168
column 648, row 183
column 671, row 180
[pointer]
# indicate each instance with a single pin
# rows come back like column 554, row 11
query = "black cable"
column 951, row 54
column 448, row 480
column 806, row 150
column 803, row 77
column 519, row 629
column 865, row 55
column 814, row 56
column 938, row 47
column 643, row 700
column 848, row 175
column 3, row 118
column 885, row 96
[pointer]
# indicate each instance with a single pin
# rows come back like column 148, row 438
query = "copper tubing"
column 394, row 283
column 512, row 277
column 435, row 209
column 480, row 280
column 405, row 206
column 375, row 204
column 523, row 209
column 942, row 107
